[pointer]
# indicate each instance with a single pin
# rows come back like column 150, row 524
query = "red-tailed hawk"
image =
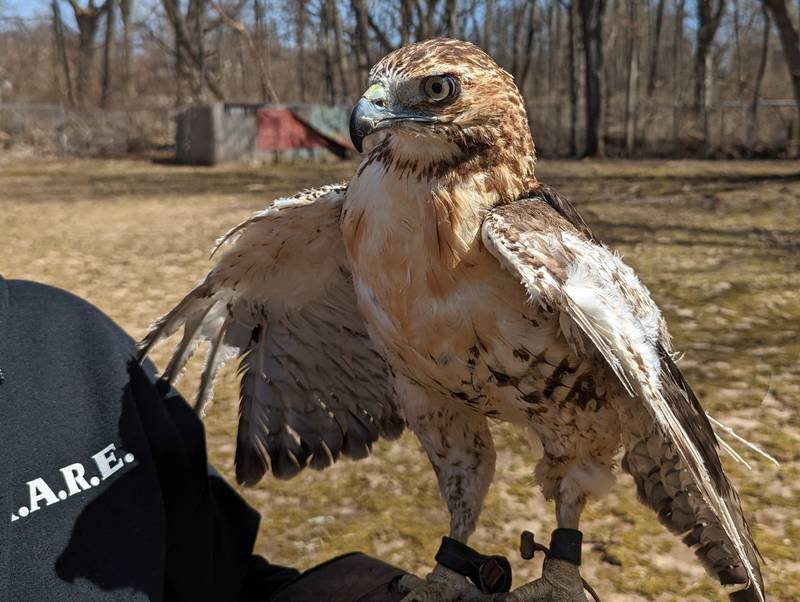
column 444, row 286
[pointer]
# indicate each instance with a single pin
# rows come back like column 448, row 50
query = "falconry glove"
column 490, row 576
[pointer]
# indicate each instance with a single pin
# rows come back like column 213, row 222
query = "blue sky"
column 41, row 8
column 28, row 9
column 23, row 8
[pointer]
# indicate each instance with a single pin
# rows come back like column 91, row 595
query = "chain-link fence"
column 661, row 130
column 54, row 129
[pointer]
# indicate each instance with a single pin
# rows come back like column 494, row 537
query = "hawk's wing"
column 281, row 298
column 605, row 309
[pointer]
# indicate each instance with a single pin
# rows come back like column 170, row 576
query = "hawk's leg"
column 569, row 506
column 459, row 445
column 561, row 579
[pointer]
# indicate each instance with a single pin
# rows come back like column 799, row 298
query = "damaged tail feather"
column 187, row 345
column 719, row 426
column 204, row 317
column 728, row 448
column 198, row 299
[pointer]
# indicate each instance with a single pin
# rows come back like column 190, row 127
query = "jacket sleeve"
column 209, row 525
column 106, row 492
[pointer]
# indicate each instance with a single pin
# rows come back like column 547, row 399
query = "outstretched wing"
column 281, row 298
column 606, row 310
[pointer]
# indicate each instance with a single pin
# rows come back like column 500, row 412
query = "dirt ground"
column 718, row 243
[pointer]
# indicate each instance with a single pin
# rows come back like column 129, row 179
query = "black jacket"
column 104, row 489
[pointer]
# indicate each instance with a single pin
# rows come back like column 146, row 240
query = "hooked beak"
column 373, row 113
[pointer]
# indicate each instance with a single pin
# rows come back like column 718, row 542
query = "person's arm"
column 106, row 488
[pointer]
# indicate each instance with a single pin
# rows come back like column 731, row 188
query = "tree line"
column 599, row 76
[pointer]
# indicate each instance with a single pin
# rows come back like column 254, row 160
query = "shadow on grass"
column 761, row 239
column 684, row 178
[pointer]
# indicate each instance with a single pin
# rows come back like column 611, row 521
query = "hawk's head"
column 444, row 101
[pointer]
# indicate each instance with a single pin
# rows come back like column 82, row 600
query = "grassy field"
column 717, row 243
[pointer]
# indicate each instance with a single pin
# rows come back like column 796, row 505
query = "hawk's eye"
column 440, row 87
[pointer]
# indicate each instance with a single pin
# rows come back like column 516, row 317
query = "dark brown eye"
column 440, row 87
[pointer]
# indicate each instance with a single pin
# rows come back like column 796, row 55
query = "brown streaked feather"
column 312, row 385
column 495, row 143
column 562, row 206
column 610, row 308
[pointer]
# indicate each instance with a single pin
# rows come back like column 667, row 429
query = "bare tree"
column 554, row 46
column 488, row 24
column 259, row 55
column 593, row 64
column 612, row 80
column 654, row 44
column 592, row 18
column 325, row 28
column 58, row 35
column 362, row 39
column 189, row 30
column 528, row 46
column 87, row 19
column 426, row 19
column 342, row 69
column 517, row 19
column 522, row 54
column 572, row 67
column 709, row 16
column 790, row 42
column 108, row 43
column 677, row 40
column 300, row 44
column 737, row 46
column 406, row 21
column 386, row 45
column 450, row 14
column 127, row 52
column 260, row 46
column 632, row 77
column 752, row 110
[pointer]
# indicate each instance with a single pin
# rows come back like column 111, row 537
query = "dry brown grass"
column 718, row 244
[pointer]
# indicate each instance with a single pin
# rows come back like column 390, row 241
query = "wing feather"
column 190, row 340
column 219, row 352
column 561, row 265
column 281, row 298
